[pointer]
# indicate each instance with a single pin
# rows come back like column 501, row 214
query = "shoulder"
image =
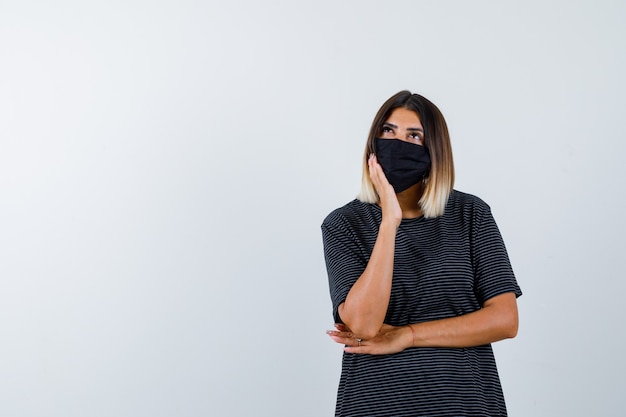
column 467, row 206
column 460, row 200
column 350, row 214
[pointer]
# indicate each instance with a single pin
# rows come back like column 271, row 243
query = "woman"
column 419, row 276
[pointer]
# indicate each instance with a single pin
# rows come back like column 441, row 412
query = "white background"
column 165, row 167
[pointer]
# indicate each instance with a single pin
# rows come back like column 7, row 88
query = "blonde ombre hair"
column 440, row 179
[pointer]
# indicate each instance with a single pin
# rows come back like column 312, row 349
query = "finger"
column 340, row 334
column 377, row 174
column 374, row 166
column 348, row 341
column 358, row 349
column 373, row 162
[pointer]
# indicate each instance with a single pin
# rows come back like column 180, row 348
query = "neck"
column 409, row 201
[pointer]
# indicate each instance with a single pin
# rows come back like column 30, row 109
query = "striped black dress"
column 443, row 267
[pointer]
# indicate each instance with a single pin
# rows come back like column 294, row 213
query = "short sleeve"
column 492, row 268
column 345, row 261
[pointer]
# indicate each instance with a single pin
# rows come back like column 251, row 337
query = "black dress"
column 443, row 267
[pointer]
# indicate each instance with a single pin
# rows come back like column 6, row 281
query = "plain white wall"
column 165, row 167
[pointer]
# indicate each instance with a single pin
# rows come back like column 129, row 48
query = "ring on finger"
column 359, row 340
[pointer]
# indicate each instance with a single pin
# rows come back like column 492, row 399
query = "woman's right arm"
column 365, row 307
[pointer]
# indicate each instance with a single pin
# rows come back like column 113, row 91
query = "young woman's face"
column 405, row 125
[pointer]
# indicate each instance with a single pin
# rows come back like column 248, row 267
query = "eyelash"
column 387, row 129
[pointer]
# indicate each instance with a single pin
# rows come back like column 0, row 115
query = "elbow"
column 504, row 316
column 364, row 331
column 510, row 331
column 510, row 327
column 360, row 327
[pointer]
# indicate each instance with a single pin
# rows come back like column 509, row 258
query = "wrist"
column 411, row 336
column 388, row 225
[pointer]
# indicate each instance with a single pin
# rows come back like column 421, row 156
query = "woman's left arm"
column 496, row 320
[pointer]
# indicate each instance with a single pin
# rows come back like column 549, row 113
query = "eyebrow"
column 411, row 129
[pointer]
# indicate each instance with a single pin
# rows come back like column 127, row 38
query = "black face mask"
column 404, row 163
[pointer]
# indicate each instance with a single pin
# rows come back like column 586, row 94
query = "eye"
column 387, row 132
